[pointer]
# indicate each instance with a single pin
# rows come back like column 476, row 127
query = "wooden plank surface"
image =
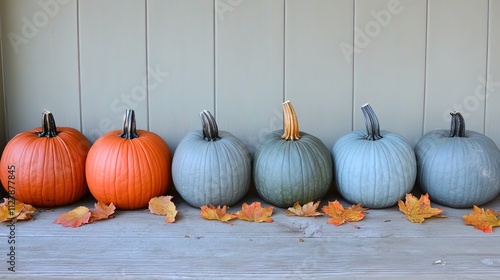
column 140, row 245
column 113, row 64
column 249, row 67
column 492, row 87
column 181, row 53
column 456, row 60
column 40, row 60
column 390, row 35
column 317, row 75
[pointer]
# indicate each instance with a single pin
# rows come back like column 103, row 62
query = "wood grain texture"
column 317, row 74
column 40, row 55
column 390, row 35
column 140, row 245
column 182, row 48
column 113, row 64
column 456, row 62
column 249, row 67
column 492, row 87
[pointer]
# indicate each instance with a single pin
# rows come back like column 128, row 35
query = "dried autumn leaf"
column 162, row 205
column 14, row 210
column 482, row 220
column 101, row 211
column 74, row 218
column 216, row 213
column 340, row 215
column 307, row 210
column 255, row 213
column 417, row 210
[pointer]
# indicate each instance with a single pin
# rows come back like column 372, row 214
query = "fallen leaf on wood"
column 340, row 215
column 74, row 218
column 417, row 210
column 163, row 205
column 255, row 213
column 482, row 219
column 12, row 209
column 307, row 210
column 102, row 211
column 216, row 213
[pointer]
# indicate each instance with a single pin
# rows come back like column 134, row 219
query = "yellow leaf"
column 216, row 213
column 12, row 209
column 417, row 210
column 482, row 220
column 340, row 215
column 307, row 210
column 162, row 205
column 255, row 213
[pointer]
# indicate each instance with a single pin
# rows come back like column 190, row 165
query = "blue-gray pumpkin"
column 375, row 168
column 458, row 168
column 292, row 166
column 211, row 167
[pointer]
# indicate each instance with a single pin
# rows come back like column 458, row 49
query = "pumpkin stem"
column 290, row 123
column 49, row 128
column 129, row 128
column 457, row 125
column 210, row 129
column 371, row 122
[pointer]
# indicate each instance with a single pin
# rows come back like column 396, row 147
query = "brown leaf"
column 340, row 215
column 12, row 209
column 74, row 218
column 255, row 213
column 162, row 205
column 417, row 210
column 101, row 211
column 307, row 210
column 216, row 213
column 482, row 220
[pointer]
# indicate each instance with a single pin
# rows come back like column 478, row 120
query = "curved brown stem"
column 291, row 130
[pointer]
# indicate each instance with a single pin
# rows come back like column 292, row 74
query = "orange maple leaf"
column 101, row 211
column 340, row 215
column 417, row 210
column 162, row 205
column 14, row 210
column 307, row 210
column 482, row 220
column 216, row 213
column 255, row 213
column 74, row 218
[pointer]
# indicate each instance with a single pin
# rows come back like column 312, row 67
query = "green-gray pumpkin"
column 458, row 168
column 292, row 166
column 374, row 168
column 211, row 167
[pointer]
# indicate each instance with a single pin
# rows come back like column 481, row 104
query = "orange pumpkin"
column 46, row 166
column 128, row 167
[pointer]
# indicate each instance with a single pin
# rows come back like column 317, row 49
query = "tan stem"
column 290, row 123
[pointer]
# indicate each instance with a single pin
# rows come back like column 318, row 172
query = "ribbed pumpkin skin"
column 211, row 172
column 128, row 172
column 285, row 172
column 374, row 173
column 458, row 171
column 49, row 171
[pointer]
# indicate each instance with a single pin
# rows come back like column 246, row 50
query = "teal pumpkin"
column 375, row 168
column 458, row 168
column 211, row 167
column 292, row 166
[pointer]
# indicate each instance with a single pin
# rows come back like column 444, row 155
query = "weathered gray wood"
column 181, row 53
column 457, row 36
column 249, row 67
column 391, row 35
column 40, row 59
column 317, row 72
column 140, row 245
column 113, row 64
column 492, row 88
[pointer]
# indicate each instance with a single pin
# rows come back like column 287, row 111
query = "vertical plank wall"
column 413, row 60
